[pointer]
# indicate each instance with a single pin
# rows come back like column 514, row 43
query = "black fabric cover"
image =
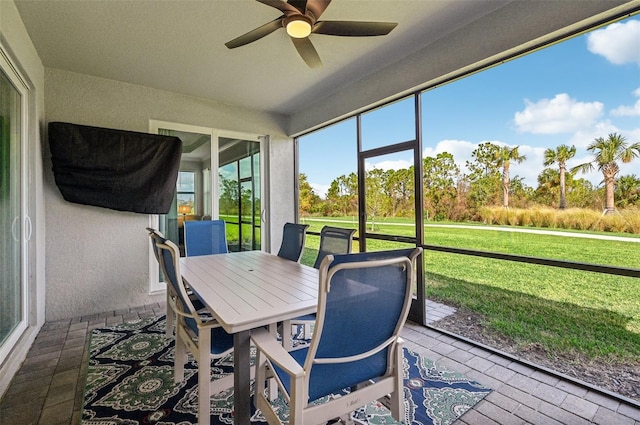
column 116, row 169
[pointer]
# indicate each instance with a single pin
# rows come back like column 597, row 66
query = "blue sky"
column 569, row 93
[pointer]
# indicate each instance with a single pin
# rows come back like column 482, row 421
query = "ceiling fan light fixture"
column 299, row 27
column 300, row 18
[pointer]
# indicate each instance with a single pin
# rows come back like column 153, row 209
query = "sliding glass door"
column 13, row 217
column 220, row 177
column 239, row 197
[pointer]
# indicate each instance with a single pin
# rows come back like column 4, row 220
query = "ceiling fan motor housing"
column 298, row 26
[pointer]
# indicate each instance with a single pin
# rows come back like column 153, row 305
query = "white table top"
column 249, row 289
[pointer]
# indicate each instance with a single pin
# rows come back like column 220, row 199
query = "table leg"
column 242, row 377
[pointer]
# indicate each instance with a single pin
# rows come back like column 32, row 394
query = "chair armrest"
column 203, row 318
column 273, row 350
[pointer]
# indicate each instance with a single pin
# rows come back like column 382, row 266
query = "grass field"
column 566, row 311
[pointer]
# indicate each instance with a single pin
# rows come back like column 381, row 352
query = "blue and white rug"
column 130, row 382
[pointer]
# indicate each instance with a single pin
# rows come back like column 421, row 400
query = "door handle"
column 28, row 227
column 14, row 232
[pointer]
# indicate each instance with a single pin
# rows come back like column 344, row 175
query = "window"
column 186, row 192
column 14, row 219
column 528, row 257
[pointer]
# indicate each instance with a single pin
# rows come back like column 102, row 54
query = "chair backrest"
column 293, row 238
column 363, row 302
column 205, row 237
column 169, row 259
column 334, row 240
column 154, row 245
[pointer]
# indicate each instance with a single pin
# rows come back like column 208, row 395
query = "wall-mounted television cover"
column 116, row 169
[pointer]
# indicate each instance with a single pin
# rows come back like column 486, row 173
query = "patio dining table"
column 247, row 290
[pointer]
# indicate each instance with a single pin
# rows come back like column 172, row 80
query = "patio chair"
column 205, row 237
column 333, row 240
column 356, row 349
column 170, row 314
column 293, row 238
column 196, row 331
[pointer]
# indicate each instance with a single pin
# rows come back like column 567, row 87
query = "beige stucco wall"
column 97, row 258
column 16, row 45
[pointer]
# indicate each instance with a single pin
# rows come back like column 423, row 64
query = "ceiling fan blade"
column 281, row 5
column 316, row 7
column 300, row 5
column 307, row 52
column 255, row 34
column 353, row 28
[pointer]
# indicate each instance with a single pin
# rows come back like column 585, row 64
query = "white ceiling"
column 178, row 45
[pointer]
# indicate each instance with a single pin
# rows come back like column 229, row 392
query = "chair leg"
column 170, row 317
column 204, row 377
column 273, row 329
column 397, row 396
column 260, row 376
column 179, row 359
column 286, row 335
column 296, row 403
column 307, row 331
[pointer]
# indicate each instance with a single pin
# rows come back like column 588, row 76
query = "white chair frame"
column 388, row 388
column 186, row 341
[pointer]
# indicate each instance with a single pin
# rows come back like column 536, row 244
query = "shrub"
column 544, row 217
column 579, row 219
column 627, row 220
column 632, row 217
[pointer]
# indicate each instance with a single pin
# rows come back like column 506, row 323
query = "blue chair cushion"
column 205, row 237
column 221, row 341
column 332, row 379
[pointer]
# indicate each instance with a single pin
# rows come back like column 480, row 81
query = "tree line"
column 452, row 195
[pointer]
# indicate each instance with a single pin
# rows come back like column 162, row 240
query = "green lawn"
column 567, row 311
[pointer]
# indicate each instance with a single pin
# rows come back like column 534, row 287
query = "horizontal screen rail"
column 572, row 265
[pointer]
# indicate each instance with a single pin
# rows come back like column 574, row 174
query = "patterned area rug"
column 130, row 382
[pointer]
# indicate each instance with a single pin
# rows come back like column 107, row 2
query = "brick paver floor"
column 47, row 390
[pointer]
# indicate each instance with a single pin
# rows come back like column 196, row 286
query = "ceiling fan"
column 300, row 19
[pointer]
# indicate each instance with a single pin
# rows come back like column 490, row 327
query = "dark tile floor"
column 48, row 388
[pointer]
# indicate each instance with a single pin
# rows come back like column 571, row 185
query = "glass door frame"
column 263, row 194
column 23, row 221
column 417, row 312
column 155, row 286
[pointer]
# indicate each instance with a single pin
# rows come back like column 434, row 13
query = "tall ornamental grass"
column 621, row 221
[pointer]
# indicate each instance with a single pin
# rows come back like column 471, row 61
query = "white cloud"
column 388, row 165
column 619, row 43
column 462, row 149
column 320, row 189
column 583, row 138
column 558, row 115
column 530, row 167
column 633, row 135
column 458, row 148
column 629, row 111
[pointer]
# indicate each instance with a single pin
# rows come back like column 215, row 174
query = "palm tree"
column 607, row 152
column 503, row 158
column 627, row 191
column 560, row 155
